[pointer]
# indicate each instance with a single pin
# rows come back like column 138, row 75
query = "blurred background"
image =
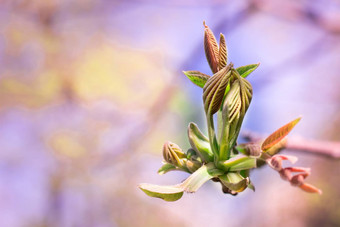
column 90, row 90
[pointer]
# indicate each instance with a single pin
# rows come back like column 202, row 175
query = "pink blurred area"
column 90, row 91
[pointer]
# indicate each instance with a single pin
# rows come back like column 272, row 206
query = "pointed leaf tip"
column 211, row 48
column 197, row 77
column 244, row 71
column 279, row 134
column 200, row 143
column 166, row 168
column 167, row 193
column 310, row 188
column 223, row 53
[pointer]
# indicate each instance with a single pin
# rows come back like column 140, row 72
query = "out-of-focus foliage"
column 87, row 91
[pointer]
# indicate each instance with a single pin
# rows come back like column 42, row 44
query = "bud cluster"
column 217, row 157
column 174, row 156
column 295, row 175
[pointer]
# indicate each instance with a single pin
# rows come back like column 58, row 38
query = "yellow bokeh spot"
column 127, row 77
column 67, row 144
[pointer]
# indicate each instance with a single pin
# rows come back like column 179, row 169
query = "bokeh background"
column 90, row 90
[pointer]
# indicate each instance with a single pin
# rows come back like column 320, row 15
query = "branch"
column 327, row 149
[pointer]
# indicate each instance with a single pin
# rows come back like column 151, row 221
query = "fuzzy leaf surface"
column 197, row 77
column 214, row 89
column 279, row 134
column 210, row 48
column 223, row 53
column 244, row 71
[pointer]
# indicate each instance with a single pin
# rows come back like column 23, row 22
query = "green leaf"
column 211, row 48
column 230, row 116
column 246, row 96
column 232, row 103
column 191, row 184
column 244, row 71
column 198, row 178
column 197, row 77
column 239, row 163
column 251, row 186
column 200, row 143
column 166, row 168
column 279, row 134
column 235, row 105
column 234, row 181
column 167, row 193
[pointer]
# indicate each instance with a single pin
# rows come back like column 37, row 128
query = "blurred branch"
column 293, row 10
column 327, row 149
column 137, row 135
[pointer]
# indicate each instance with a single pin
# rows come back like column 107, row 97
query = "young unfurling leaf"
column 200, row 143
column 197, row 77
column 214, row 89
column 244, row 71
column 279, row 134
column 173, row 154
column 223, row 53
column 310, row 188
column 211, row 48
column 166, row 168
column 234, row 109
column 230, row 116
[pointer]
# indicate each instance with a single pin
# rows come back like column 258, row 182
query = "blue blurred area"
column 90, row 90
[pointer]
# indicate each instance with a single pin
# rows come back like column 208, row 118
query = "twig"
column 327, row 149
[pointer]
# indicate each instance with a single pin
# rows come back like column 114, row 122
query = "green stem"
column 238, row 163
column 224, row 149
column 212, row 137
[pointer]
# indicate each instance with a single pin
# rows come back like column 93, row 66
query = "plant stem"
column 212, row 137
column 224, row 148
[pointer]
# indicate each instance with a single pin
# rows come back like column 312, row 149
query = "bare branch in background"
column 292, row 10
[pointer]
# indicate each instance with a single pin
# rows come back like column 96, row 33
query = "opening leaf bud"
column 173, row 154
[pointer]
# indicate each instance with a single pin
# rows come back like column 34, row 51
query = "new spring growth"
column 217, row 156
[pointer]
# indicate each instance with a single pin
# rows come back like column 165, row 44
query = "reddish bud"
column 285, row 174
column 275, row 162
column 298, row 179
